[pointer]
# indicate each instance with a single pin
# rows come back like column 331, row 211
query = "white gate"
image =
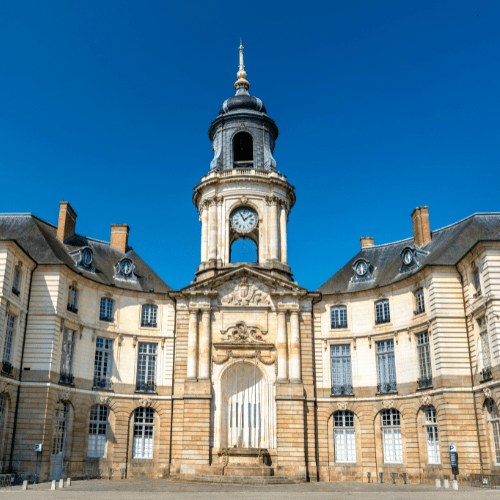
column 59, row 441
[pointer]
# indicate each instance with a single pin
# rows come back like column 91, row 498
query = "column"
column 212, row 241
column 283, row 232
column 204, row 233
column 282, row 346
column 192, row 344
column 205, row 345
column 295, row 347
column 273, row 227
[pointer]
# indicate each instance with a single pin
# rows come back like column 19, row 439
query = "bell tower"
column 243, row 196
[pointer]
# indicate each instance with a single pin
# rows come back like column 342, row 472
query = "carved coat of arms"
column 245, row 294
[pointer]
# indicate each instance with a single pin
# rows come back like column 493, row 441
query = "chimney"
column 119, row 236
column 421, row 226
column 67, row 221
column 367, row 241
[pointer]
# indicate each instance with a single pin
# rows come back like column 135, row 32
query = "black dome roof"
column 242, row 102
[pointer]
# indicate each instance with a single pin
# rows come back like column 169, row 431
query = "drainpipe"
column 20, row 372
column 316, row 438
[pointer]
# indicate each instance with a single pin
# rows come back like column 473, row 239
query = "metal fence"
column 485, row 481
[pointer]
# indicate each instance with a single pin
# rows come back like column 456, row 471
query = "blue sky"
column 382, row 106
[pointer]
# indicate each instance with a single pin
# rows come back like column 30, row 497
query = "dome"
column 242, row 102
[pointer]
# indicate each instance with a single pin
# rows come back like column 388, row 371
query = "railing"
column 102, row 383
column 7, row 367
column 72, row 308
column 106, row 318
column 243, row 164
column 383, row 320
column 477, row 294
column 145, row 324
column 486, row 373
column 419, row 311
column 485, row 481
column 342, row 390
column 15, row 291
column 66, row 378
column 145, row 387
column 424, row 383
column 387, row 387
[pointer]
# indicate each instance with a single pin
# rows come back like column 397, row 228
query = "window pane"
column 341, row 369
column 339, row 317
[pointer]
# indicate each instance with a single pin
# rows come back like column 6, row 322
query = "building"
column 243, row 372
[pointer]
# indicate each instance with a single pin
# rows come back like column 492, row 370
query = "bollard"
column 369, row 474
column 405, row 476
column 381, row 474
column 393, row 475
column 110, row 473
column 446, row 483
column 438, row 483
column 455, row 484
column 61, row 483
column 25, row 484
column 53, row 485
column 68, row 481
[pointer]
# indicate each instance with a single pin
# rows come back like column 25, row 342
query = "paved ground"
column 132, row 489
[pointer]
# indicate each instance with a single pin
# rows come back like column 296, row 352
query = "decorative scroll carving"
column 426, row 401
column 246, row 293
column 241, row 334
column 388, row 403
column 146, row 402
column 65, row 396
column 102, row 400
column 487, row 393
column 134, row 340
column 120, row 339
column 231, row 354
column 342, row 406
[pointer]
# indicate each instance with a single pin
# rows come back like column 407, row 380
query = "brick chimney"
column 119, row 236
column 67, row 221
column 421, row 226
column 367, row 241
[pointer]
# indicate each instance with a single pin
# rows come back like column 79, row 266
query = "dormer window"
column 363, row 271
column 124, row 270
column 243, row 150
column 84, row 259
column 16, row 281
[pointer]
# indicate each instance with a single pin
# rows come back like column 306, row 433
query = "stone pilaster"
column 192, row 361
column 272, row 201
column 204, row 232
column 205, row 345
column 282, row 346
column 295, row 365
column 283, row 232
column 212, row 237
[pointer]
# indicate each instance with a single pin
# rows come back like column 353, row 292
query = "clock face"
column 407, row 257
column 361, row 268
column 87, row 257
column 244, row 219
column 126, row 266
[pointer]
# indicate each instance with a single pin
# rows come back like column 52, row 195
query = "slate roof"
column 39, row 239
column 447, row 247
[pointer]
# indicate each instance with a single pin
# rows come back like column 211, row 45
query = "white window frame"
column 495, row 429
column 103, row 362
column 382, row 312
column 476, row 280
column 341, row 368
column 391, row 436
column 10, row 332
column 485, row 341
column 338, row 317
column 143, row 439
column 72, row 299
column 147, row 358
column 432, row 435
column 107, row 310
column 67, row 352
column 386, row 366
column 16, row 281
column 149, row 316
column 344, row 437
column 98, row 431
column 419, row 301
column 424, row 355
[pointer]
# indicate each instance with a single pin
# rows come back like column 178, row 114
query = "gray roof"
column 447, row 247
column 39, row 240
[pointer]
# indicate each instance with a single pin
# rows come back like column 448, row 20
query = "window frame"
column 385, row 318
column 419, row 301
column 338, row 324
column 347, row 436
column 8, row 345
column 150, row 310
column 390, row 382
column 66, row 371
column 95, row 426
column 144, row 381
column 72, row 299
column 494, row 420
column 392, row 429
column 16, row 281
column 345, row 361
column 485, row 342
column 431, row 427
column 104, row 310
column 103, row 363
column 143, row 426
column 424, row 359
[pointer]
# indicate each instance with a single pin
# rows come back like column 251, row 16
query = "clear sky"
column 382, row 106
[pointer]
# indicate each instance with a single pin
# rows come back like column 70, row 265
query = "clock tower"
column 243, row 196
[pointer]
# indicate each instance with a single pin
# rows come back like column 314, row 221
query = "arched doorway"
column 243, row 150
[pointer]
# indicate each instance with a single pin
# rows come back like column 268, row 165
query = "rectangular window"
column 146, row 367
column 345, row 439
column 477, row 282
column 149, row 315
column 386, row 364
column 495, row 429
column 68, row 347
column 432, row 436
column 339, row 317
column 16, row 281
column 485, row 344
column 72, row 299
column 382, row 312
column 9, row 336
column 341, row 369
column 106, row 312
column 393, row 444
column 103, row 363
column 98, row 431
column 419, row 301
column 143, row 433
column 424, row 360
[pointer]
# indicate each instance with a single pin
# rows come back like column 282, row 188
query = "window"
column 419, row 301
column 432, row 435
column 341, row 369
column 386, row 366
column 424, row 360
column 7, row 347
column 68, row 347
column 495, row 429
column 243, row 150
column 2, row 411
column 103, row 363
column 107, row 310
column 60, row 420
column 339, row 317
column 146, row 367
column 143, row 433
column 73, row 299
column 382, row 312
column 98, row 431
column 345, row 439
column 485, row 348
column 149, row 315
column 393, row 444
column 477, row 283
column 16, row 281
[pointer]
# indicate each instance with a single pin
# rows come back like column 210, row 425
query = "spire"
column 241, row 85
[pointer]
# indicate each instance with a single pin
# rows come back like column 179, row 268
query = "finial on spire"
column 241, row 84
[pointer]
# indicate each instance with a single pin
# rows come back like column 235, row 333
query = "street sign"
column 453, row 455
column 452, row 447
column 38, row 447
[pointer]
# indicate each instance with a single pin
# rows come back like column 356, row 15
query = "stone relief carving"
column 230, row 354
column 242, row 334
column 388, row 404
column 247, row 293
column 65, row 395
column 426, row 401
column 487, row 393
column 146, row 402
column 342, row 406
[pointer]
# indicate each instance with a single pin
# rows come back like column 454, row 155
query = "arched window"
column 495, row 429
column 106, row 312
column 59, row 440
column 244, row 250
column 149, row 315
column 98, row 431
column 243, row 150
column 345, row 439
column 143, row 433
column 391, row 434
column 432, row 435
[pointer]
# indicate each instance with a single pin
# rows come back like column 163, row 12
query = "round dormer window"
column 126, row 267
column 407, row 257
column 361, row 268
column 87, row 257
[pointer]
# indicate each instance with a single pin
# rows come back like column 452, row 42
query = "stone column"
column 205, row 345
column 204, row 232
column 295, row 347
column 192, row 345
column 273, row 227
column 283, row 232
column 212, row 238
column 282, row 346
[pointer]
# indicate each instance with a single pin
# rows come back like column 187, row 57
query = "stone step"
column 209, row 478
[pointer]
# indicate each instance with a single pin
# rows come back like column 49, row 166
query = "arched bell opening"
column 244, row 249
column 242, row 150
